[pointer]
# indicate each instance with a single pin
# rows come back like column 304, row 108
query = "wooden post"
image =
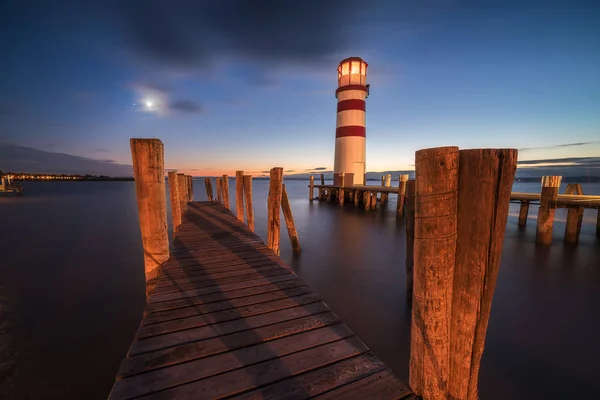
column 248, row 195
column 341, row 193
column 322, row 179
column 320, row 194
column 219, row 189
column 485, row 180
column 274, row 210
column 182, row 182
column 598, row 224
column 209, row 191
column 574, row 216
column 367, row 199
column 174, row 197
column 225, row 188
column 356, row 197
column 382, row 180
column 410, row 236
column 329, row 194
column 149, row 174
column 311, row 186
column 239, row 195
column 373, row 201
column 523, row 211
column 190, row 186
column 545, row 220
column 434, row 255
column 401, row 194
column 289, row 221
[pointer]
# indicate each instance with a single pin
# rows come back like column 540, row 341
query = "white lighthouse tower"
column 350, row 132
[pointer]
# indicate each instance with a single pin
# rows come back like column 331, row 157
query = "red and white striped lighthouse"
column 350, row 132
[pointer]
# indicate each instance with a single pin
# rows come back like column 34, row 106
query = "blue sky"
column 235, row 86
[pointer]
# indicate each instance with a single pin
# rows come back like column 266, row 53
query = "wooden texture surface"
column 174, row 198
column 248, row 201
column 485, row 180
column 229, row 319
column 436, row 172
column 545, row 219
column 183, row 188
column 239, row 195
column 218, row 180
column 410, row 237
column 225, row 189
column 574, row 216
column 274, row 209
column 311, row 188
column 286, row 207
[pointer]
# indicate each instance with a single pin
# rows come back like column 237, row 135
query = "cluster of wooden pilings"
column 277, row 200
column 456, row 213
column 366, row 197
column 549, row 200
column 148, row 169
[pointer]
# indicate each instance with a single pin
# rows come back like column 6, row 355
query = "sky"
column 249, row 85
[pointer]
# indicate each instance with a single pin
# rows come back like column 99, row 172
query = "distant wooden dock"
column 229, row 319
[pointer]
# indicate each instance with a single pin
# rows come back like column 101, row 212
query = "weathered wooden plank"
column 211, row 276
column 220, row 296
column 205, row 332
column 323, row 381
column 193, row 310
column 378, row 386
column 224, row 315
column 204, row 348
column 266, row 372
column 206, row 367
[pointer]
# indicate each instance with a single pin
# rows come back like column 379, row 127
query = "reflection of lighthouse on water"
column 350, row 133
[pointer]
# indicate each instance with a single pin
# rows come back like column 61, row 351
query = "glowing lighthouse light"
column 350, row 132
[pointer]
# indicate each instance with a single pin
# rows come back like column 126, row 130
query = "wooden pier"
column 227, row 317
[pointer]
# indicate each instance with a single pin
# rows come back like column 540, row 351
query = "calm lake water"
column 72, row 290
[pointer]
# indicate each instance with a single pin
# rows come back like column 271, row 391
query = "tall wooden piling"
column 248, row 200
column 356, row 197
column 574, row 216
column 149, row 173
column 274, row 209
column 402, row 179
column 289, row 221
column 410, row 236
column 190, row 186
column 341, row 194
column 598, row 224
column 484, row 185
column 523, row 212
column 219, row 189
column 322, row 179
column 239, row 195
column 545, row 220
column 225, row 189
column 182, row 182
column 209, row 190
column 311, row 188
column 174, row 198
column 434, row 259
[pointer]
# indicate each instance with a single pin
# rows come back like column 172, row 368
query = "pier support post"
column 239, row 195
column 341, row 193
column 218, row 181
column 523, row 212
column 484, row 185
column 274, row 210
column 598, row 224
column 225, row 188
column 289, row 221
column 209, row 191
column 182, row 182
column 436, row 172
column 356, row 197
column 574, row 216
column 545, row 220
column 311, row 188
column 190, row 188
column 174, row 198
column 248, row 195
column 149, row 174
column 410, row 236
column 367, row 199
column 401, row 194
column 322, row 179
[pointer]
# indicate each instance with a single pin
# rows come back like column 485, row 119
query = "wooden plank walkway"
column 229, row 319
column 587, row 201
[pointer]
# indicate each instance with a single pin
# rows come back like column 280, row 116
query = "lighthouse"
column 350, row 131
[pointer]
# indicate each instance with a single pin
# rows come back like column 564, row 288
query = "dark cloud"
column 560, row 145
column 191, row 34
column 17, row 158
column 318, row 169
column 50, row 145
column 186, row 106
column 576, row 160
column 102, row 150
column 290, row 170
column 265, row 172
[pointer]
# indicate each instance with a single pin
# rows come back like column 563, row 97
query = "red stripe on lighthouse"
column 352, row 87
column 352, row 104
column 351, row 130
